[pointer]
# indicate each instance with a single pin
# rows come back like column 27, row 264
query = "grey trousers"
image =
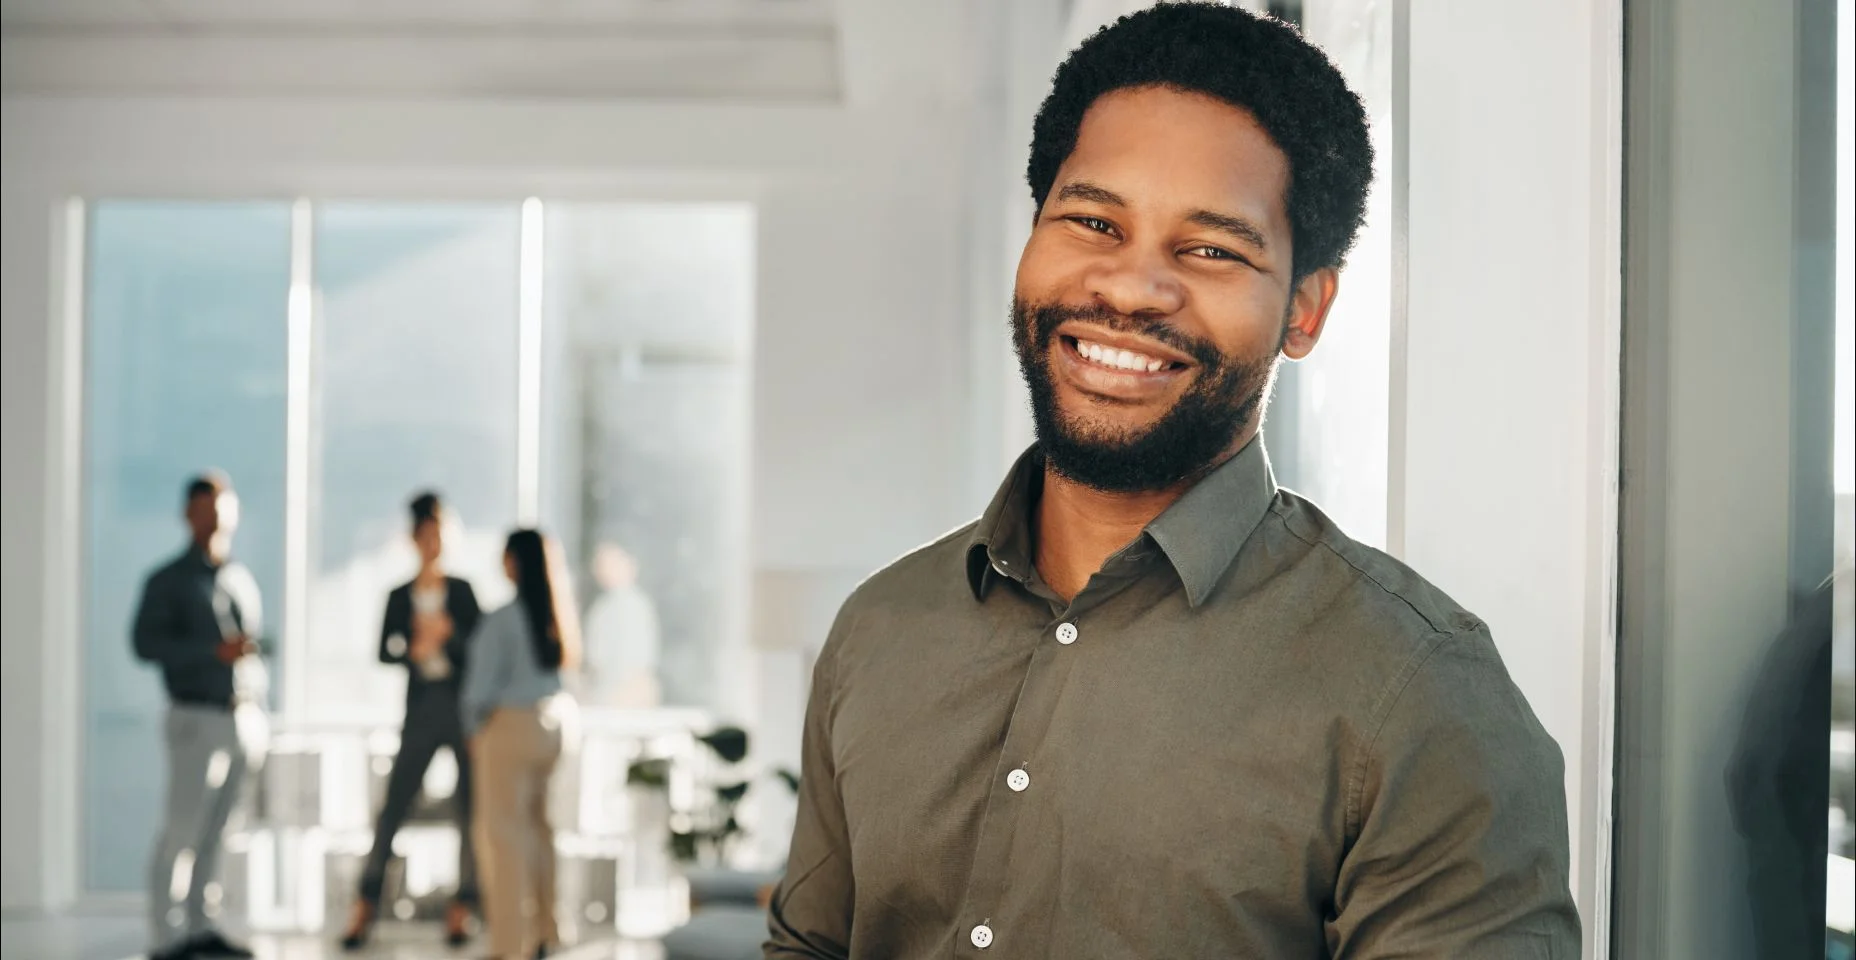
column 210, row 751
column 432, row 722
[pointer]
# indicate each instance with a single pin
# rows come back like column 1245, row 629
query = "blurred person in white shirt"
column 623, row 645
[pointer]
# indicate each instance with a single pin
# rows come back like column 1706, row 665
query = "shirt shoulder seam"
column 958, row 535
column 1322, row 543
column 1381, row 714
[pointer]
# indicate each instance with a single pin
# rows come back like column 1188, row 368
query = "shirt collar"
column 197, row 554
column 1203, row 530
column 1200, row 533
column 1001, row 541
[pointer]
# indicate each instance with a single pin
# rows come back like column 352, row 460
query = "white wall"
column 25, row 342
column 860, row 391
column 1504, row 385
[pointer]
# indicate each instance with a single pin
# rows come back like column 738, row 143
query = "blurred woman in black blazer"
column 428, row 626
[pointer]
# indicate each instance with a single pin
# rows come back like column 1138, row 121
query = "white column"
column 61, row 736
column 528, row 365
column 1505, row 358
column 299, row 459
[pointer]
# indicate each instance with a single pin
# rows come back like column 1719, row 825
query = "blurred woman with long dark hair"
column 514, row 710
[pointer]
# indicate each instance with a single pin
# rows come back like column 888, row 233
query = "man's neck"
column 1077, row 528
column 212, row 553
column 429, row 575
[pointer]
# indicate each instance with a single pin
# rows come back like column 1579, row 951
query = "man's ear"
column 1308, row 312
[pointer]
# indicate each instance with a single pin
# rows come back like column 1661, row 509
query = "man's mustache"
column 1048, row 317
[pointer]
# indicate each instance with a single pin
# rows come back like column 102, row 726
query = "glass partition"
column 184, row 366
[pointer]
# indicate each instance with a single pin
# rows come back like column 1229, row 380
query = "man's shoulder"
column 1386, row 590
column 926, row 574
column 1414, row 639
column 177, row 567
column 238, row 573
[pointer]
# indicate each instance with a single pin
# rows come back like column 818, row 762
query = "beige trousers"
column 513, row 756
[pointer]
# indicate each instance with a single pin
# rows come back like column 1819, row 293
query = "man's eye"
column 1213, row 253
column 1097, row 224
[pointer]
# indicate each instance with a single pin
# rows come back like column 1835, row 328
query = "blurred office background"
column 715, row 290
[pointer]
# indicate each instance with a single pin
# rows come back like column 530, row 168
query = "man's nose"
column 1136, row 281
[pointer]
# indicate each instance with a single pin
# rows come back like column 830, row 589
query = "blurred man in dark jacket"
column 199, row 620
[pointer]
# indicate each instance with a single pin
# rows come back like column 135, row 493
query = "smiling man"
column 1150, row 705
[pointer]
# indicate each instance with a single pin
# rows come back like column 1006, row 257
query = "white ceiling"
column 375, row 16
column 738, row 50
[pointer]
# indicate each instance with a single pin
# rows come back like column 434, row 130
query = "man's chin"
column 1103, row 437
column 1134, row 457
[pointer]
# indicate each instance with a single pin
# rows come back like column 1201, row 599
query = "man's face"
column 213, row 517
column 613, row 568
column 1155, row 293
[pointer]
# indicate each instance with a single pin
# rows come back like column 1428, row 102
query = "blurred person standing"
column 1779, row 777
column 517, row 714
column 427, row 627
column 622, row 640
column 199, row 620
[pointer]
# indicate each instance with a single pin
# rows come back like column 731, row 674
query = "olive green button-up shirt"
column 1248, row 736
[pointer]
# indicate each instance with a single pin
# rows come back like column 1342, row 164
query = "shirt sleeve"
column 396, row 627
column 250, row 600
column 464, row 620
column 159, row 634
column 488, row 672
column 810, row 915
column 1461, row 810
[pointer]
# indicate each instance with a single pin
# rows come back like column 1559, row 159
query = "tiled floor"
column 116, row 937
column 71, row 937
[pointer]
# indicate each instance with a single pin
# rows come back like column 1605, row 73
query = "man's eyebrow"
column 1093, row 193
column 1235, row 226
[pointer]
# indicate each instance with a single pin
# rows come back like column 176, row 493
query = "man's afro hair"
column 1257, row 63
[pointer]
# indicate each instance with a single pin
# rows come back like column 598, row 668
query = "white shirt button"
column 1066, row 633
column 982, row 936
column 1018, row 780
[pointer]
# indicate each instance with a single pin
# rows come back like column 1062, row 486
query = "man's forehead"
column 223, row 500
column 1148, row 144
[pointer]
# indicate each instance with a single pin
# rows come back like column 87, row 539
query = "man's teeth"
column 1119, row 359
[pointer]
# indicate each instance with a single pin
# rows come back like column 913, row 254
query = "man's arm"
column 158, row 633
column 810, row 915
column 250, row 600
column 1461, row 812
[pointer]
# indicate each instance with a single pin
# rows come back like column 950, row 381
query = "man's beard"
column 1227, row 396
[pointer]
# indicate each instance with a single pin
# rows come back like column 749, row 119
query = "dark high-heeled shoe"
column 457, row 925
column 360, row 927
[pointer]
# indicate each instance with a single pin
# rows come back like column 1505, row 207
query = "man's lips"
column 1119, row 358
column 1121, row 351
column 1116, row 372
